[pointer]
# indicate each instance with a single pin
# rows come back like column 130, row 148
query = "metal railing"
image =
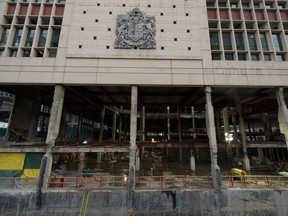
column 95, row 182
column 99, row 182
column 254, row 181
column 173, row 181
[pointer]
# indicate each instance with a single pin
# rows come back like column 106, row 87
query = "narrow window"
column 4, row 36
column 216, row 56
column 26, row 53
column 264, row 42
column 17, row 37
column 214, row 41
column 55, row 38
column 30, row 37
column 239, row 41
column 13, row 53
column 280, row 57
column 252, row 41
column 229, row 56
column 227, row 41
column 241, row 57
column 277, row 42
column 254, row 57
column 267, row 57
column 42, row 38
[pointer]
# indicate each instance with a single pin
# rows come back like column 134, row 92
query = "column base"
column 246, row 163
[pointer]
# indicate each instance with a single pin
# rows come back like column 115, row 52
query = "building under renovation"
column 147, row 86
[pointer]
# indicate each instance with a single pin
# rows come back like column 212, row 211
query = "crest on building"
column 135, row 30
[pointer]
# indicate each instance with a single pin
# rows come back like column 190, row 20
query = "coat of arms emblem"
column 135, row 30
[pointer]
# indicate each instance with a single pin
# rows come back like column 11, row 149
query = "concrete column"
column 55, row 116
column 120, row 128
column 192, row 162
column 102, row 125
column 266, row 126
column 114, row 125
column 282, row 114
column 180, row 154
column 210, row 125
column 168, row 124
column 45, row 171
column 246, row 162
column 260, row 154
column 179, row 124
column 125, row 129
column 79, row 135
column 35, row 113
column 142, row 125
column 99, row 155
column 53, row 131
column 193, row 122
column 137, row 162
column 219, row 138
column 226, row 130
column 133, row 136
column 82, row 162
column 235, row 134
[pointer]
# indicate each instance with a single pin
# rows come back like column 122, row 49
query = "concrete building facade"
column 217, row 68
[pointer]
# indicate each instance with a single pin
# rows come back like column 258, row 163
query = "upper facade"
column 160, row 42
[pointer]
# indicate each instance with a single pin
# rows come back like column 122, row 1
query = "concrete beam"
column 89, row 149
column 22, row 149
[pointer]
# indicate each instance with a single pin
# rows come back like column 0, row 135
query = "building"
column 182, row 76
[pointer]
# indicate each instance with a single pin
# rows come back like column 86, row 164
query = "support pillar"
column 82, row 163
column 282, row 114
column 53, row 131
column 226, row 130
column 260, row 154
column 114, row 125
column 120, row 128
column 179, row 124
column 142, row 129
column 218, row 127
column 210, row 125
column 193, row 122
column 102, row 125
column 79, row 136
column 266, row 126
column 137, row 162
column 168, row 124
column 99, row 155
column 35, row 113
column 192, row 162
column 133, row 136
column 180, row 154
column 235, row 133
column 246, row 162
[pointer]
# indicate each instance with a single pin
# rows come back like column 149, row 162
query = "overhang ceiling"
column 92, row 98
